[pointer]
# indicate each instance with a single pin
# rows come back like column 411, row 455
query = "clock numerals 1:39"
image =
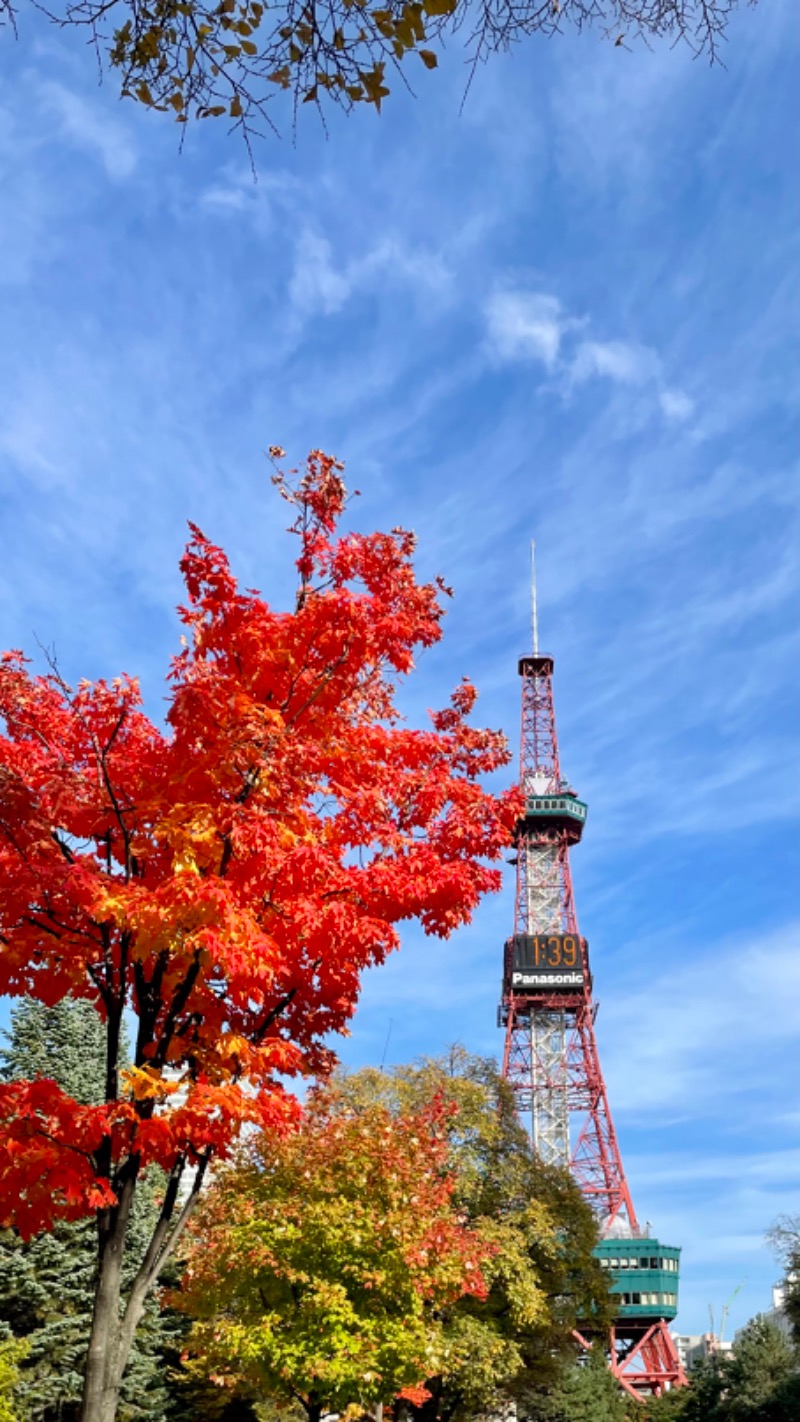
column 556, row 950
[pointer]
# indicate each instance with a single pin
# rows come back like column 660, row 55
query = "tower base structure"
column 644, row 1359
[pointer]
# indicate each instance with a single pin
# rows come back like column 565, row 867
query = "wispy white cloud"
column 92, row 129
column 676, row 404
column 24, row 439
column 394, row 260
column 526, row 326
column 534, row 326
column 316, row 284
column 227, row 197
column 617, row 360
column 695, row 1034
column 321, row 284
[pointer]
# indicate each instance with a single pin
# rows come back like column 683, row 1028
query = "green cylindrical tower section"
column 561, row 812
column 645, row 1275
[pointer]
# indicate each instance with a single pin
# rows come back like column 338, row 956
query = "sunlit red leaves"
column 47, row 1145
column 230, row 880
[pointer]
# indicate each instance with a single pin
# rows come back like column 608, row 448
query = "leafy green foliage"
column 12, row 1351
column 321, row 1261
column 228, row 58
column 542, row 1280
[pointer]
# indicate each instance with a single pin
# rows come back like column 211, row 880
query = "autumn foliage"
column 228, row 878
column 320, row 1263
column 405, row 1242
column 230, row 59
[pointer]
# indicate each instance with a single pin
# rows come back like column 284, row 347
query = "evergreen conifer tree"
column 762, row 1379
column 47, row 1284
column 584, row 1392
column 702, row 1401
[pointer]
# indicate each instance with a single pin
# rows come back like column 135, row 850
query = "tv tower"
column 550, row 1057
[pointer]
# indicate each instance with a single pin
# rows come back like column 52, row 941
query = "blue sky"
column 564, row 312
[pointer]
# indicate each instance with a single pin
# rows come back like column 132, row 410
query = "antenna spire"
column 534, row 611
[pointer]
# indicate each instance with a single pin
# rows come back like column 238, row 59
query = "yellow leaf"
column 428, row 58
column 414, row 14
column 374, row 87
column 249, row 47
column 236, row 107
column 146, row 1083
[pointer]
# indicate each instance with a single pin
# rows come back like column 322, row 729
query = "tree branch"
column 162, row 1245
column 179, row 1001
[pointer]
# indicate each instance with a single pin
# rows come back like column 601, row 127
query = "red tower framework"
column 551, row 1057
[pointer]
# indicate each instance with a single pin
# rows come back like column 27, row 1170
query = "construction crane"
column 723, row 1318
column 726, row 1308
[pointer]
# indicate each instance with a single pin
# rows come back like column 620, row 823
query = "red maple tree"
column 228, row 880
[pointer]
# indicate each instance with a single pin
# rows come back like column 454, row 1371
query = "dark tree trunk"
column 428, row 1411
column 314, row 1409
column 104, row 1365
column 114, row 1328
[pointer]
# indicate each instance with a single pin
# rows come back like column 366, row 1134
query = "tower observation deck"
column 550, row 1056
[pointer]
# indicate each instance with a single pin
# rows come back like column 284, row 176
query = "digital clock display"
column 553, row 961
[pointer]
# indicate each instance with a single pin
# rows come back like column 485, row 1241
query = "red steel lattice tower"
column 551, row 1058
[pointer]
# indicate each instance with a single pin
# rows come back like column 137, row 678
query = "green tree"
column 227, row 58
column 762, row 1382
column 47, row 1283
column 586, row 1392
column 517, row 1342
column 701, row 1401
column 320, row 1262
column 785, row 1240
column 12, row 1351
